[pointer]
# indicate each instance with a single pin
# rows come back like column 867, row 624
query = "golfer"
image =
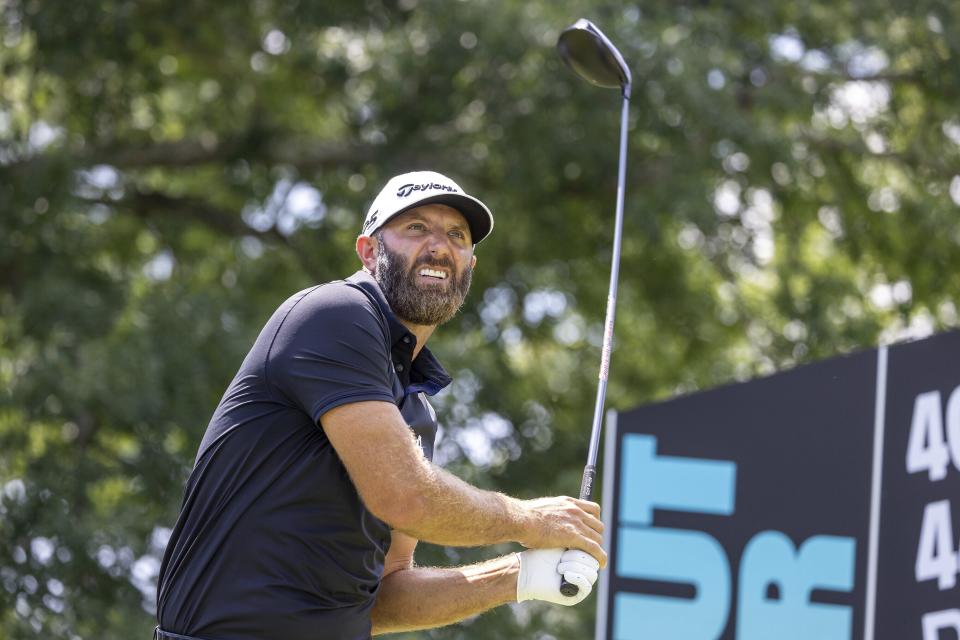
column 314, row 480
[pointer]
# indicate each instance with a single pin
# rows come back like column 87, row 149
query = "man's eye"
column 417, row 226
column 458, row 234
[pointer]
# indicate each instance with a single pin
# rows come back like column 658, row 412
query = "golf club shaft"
column 587, row 490
column 589, row 471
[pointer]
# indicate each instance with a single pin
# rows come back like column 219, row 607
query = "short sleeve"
column 333, row 348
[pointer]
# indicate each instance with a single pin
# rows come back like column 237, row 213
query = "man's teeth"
column 433, row 273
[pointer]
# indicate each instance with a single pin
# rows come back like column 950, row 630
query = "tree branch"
column 909, row 157
column 152, row 204
column 303, row 153
column 297, row 151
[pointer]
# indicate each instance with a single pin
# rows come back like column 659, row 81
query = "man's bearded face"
column 431, row 304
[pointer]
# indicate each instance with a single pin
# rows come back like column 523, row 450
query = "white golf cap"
column 418, row 188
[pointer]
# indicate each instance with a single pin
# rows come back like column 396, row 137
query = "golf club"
column 594, row 58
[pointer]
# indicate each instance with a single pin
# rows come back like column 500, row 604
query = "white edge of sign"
column 873, row 544
column 606, row 504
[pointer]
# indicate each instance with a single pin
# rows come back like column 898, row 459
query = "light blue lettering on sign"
column 695, row 558
column 824, row 562
column 673, row 555
column 653, row 482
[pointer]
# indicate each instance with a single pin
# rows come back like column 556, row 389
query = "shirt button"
column 398, row 367
column 406, row 339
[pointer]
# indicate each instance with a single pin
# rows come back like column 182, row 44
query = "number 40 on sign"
column 934, row 443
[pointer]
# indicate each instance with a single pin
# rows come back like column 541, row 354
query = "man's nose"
column 439, row 243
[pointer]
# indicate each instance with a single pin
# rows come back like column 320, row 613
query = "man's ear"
column 367, row 252
column 473, row 261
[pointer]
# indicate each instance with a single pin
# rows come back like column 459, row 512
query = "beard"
column 432, row 305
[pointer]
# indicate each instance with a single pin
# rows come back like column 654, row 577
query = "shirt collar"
column 426, row 372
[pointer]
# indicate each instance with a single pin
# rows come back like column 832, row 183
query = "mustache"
column 430, row 261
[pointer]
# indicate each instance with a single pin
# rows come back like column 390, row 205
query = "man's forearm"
column 402, row 488
column 423, row 597
column 451, row 512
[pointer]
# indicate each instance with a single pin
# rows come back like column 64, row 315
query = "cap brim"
column 478, row 216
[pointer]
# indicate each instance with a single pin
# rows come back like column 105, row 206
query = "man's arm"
column 410, row 599
column 400, row 553
column 423, row 598
column 405, row 490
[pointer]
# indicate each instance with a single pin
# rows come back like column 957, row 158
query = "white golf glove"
column 542, row 569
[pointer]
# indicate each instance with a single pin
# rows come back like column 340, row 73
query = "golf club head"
column 593, row 57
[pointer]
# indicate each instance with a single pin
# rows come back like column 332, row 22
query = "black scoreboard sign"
column 822, row 503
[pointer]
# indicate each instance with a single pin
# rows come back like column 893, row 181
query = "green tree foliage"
column 170, row 172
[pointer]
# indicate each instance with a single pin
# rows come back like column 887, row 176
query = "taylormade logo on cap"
column 418, row 188
column 407, row 189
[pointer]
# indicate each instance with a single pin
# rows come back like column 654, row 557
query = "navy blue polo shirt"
column 273, row 540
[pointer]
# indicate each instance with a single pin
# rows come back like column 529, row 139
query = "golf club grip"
column 586, row 490
column 568, row 588
column 586, row 484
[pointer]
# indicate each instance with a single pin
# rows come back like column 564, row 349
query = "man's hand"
column 542, row 569
column 567, row 523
